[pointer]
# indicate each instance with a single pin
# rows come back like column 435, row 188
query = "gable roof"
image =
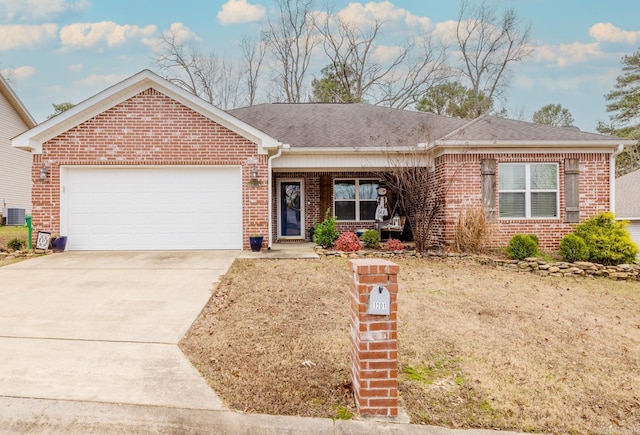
column 15, row 102
column 326, row 127
column 628, row 195
column 33, row 139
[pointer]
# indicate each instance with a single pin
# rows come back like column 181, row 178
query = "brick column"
column 374, row 347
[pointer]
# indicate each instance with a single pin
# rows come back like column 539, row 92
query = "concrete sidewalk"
column 46, row 416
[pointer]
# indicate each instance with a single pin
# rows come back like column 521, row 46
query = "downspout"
column 281, row 146
column 612, row 178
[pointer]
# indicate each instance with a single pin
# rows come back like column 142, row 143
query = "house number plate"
column 379, row 301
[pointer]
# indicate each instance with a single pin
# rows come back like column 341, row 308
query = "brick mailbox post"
column 374, row 346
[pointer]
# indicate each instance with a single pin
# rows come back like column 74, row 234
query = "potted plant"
column 59, row 244
column 255, row 240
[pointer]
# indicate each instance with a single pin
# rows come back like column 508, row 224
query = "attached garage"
column 150, row 208
column 145, row 165
column 627, row 204
column 634, row 229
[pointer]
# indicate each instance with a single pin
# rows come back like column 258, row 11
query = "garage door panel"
column 153, row 208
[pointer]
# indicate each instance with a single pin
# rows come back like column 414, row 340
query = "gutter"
column 281, row 147
column 612, row 177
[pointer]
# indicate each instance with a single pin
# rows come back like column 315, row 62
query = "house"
column 628, row 202
column 146, row 165
column 15, row 164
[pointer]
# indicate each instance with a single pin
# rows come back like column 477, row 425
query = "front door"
column 291, row 209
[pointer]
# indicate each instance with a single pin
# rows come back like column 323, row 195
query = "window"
column 528, row 190
column 355, row 200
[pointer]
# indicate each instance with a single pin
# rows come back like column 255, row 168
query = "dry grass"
column 477, row 347
column 471, row 229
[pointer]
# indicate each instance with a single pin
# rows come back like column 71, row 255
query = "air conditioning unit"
column 15, row 216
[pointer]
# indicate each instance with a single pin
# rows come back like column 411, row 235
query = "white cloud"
column 76, row 67
column 445, row 31
column 240, row 12
column 181, row 33
column 34, row 10
column 177, row 32
column 607, row 32
column 386, row 53
column 20, row 73
column 565, row 55
column 26, row 36
column 100, row 80
column 385, row 11
column 86, row 35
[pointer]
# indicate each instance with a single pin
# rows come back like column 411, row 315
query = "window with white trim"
column 528, row 190
column 355, row 199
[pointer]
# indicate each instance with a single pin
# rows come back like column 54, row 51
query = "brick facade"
column 152, row 129
column 148, row 129
column 458, row 179
column 461, row 177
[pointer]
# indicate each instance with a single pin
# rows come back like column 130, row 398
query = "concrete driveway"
column 104, row 326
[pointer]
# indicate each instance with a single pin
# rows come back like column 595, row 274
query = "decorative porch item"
column 43, row 240
column 255, row 241
column 59, row 244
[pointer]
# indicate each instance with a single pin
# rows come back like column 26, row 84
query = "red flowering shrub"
column 394, row 245
column 348, row 242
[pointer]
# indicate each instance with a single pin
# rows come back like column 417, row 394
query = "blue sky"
column 67, row 50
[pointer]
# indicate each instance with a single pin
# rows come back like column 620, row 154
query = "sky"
column 57, row 51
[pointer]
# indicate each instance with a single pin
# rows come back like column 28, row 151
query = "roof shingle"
column 319, row 125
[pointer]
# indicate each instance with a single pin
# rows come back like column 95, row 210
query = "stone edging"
column 623, row 272
column 25, row 253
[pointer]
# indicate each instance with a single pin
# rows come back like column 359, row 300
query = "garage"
column 634, row 229
column 151, row 208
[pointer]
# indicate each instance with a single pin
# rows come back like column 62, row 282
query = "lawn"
column 9, row 232
column 478, row 347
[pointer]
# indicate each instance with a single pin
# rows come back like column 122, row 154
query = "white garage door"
column 172, row 208
column 634, row 229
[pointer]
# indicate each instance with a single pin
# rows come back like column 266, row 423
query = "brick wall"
column 465, row 190
column 148, row 129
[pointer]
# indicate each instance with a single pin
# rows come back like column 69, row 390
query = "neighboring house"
column 628, row 202
column 146, row 165
column 15, row 164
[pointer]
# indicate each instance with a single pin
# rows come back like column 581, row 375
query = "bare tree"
column 488, row 45
column 398, row 82
column 253, row 52
column 412, row 184
column 214, row 79
column 291, row 41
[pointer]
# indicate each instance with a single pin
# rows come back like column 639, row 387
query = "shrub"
column 573, row 248
column 348, row 242
column 608, row 240
column 371, row 239
column 325, row 233
column 522, row 246
column 471, row 228
column 394, row 245
column 535, row 238
column 15, row 244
